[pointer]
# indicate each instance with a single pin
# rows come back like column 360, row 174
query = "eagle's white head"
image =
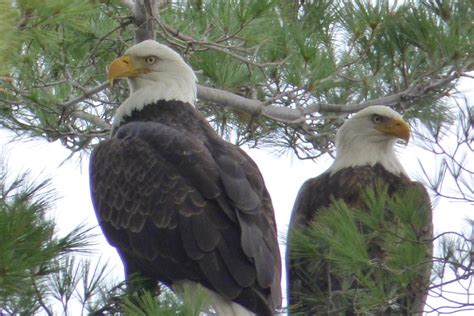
column 369, row 137
column 154, row 72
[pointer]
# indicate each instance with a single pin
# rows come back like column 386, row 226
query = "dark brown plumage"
column 369, row 136
column 347, row 185
column 179, row 203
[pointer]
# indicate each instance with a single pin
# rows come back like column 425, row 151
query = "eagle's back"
column 179, row 203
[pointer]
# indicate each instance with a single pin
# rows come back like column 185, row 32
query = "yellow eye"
column 150, row 60
column 376, row 118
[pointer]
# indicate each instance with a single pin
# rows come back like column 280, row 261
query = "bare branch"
column 291, row 115
column 92, row 119
column 253, row 107
column 225, row 49
column 144, row 13
column 69, row 104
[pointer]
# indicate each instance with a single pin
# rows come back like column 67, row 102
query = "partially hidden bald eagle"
column 365, row 158
column 181, row 205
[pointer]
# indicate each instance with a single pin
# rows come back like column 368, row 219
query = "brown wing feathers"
column 318, row 193
column 163, row 197
column 236, row 184
column 177, row 201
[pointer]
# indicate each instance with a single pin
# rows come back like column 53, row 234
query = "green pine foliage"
column 349, row 242
column 54, row 49
column 192, row 302
column 298, row 55
column 32, row 254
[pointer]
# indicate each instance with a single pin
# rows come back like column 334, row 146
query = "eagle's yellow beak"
column 398, row 128
column 122, row 67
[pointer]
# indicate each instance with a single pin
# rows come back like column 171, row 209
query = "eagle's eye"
column 376, row 118
column 150, row 60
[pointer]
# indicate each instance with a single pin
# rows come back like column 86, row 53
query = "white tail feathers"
column 221, row 305
column 225, row 307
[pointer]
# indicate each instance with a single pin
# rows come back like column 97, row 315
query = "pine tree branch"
column 286, row 115
column 69, row 104
column 144, row 12
column 39, row 297
column 253, row 107
column 97, row 121
column 294, row 115
column 175, row 33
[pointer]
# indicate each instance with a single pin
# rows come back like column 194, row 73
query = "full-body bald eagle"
column 180, row 205
column 365, row 158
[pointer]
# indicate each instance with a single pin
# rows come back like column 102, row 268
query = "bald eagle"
column 181, row 205
column 365, row 157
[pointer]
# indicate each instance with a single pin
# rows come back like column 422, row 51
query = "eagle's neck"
column 361, row 151
column 166, row 87
column 175, row 114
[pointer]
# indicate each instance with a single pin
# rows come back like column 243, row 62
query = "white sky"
column 283, row 176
